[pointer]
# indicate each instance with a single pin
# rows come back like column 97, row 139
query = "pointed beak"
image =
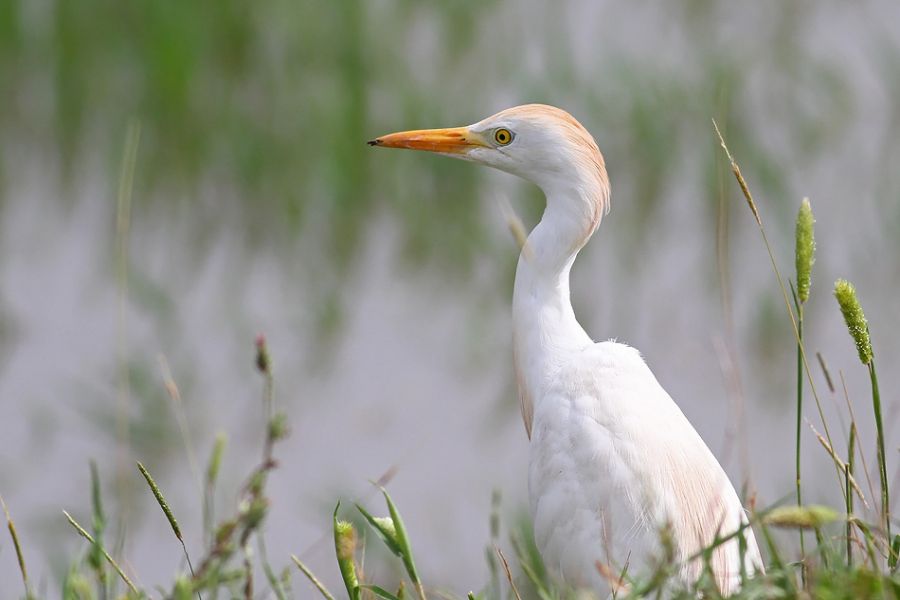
column 453, row 140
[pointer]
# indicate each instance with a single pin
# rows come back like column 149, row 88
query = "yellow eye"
column 503, row 136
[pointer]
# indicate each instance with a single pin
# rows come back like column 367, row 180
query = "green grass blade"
column 380, row 592
column 81, row 530
column 386, row 529
column 404, row 543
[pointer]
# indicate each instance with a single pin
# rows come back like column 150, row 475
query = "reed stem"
column 851, row 450
column 882, row 465
column 800, row 420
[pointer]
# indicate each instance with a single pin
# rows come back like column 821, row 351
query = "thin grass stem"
column 81, row 530
column 851, row 460
column 787, row 303
column 20, row 557
column 799, row 421
column 267, row 568
column 862, row 455
column 509, row 577
column 825, row 372
column 882, row 463
column 312, row 578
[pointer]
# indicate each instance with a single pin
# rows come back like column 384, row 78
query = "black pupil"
column 502, row 136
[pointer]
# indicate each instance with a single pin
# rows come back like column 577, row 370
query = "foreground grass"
column 850, row 560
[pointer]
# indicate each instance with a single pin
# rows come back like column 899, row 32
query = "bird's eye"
column 503, row 136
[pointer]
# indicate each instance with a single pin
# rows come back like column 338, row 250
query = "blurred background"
column 382, row 280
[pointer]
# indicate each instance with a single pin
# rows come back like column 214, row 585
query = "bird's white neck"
column 545, row 330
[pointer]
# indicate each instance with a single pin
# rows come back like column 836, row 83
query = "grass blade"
column 386, row 529
column 312, row 578
column 405, row 546
column 11, row 526
column 380, row 592
column 81, row 530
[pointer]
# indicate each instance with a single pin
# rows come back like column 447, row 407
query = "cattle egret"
column 612, row 459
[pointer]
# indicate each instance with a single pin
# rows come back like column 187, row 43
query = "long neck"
column 545, row 329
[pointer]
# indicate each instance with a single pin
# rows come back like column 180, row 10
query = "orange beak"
column 453, row 140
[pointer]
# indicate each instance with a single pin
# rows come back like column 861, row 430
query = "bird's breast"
column 585, row 479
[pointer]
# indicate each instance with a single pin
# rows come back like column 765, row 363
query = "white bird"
column 612, row 459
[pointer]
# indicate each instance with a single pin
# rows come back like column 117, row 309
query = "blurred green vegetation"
column 254, row 116
column 265, row 106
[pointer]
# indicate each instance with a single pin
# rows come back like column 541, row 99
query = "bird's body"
column 613, row 460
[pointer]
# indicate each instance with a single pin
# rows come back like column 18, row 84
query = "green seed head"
column 278, row 427
column 225, row 532
column 855, row 319
column 806, row 249
column 344, row 540
column 801, row 517
column 160, row 499
column 345, row 547
column 256, row 512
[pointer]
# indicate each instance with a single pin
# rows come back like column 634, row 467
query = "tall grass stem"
column 851, row 461
column 800, row 421
column 882, row 462
column 787, row 303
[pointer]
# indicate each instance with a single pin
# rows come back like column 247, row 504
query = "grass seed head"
column 345, row 548
column 805, row 249
column 855, row 318
column 161, row 500
column 802, row 517
column 344, row 540
column 278, row 427
column 256, row 512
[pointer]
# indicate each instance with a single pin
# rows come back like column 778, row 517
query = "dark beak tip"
column 374, row 142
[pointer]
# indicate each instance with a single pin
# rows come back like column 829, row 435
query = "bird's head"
column 540, row 143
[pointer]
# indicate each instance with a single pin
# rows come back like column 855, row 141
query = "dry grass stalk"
column 312, row 578
column 617, row 583
column 839, row 462
column 10, row 524
column 509, row 577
